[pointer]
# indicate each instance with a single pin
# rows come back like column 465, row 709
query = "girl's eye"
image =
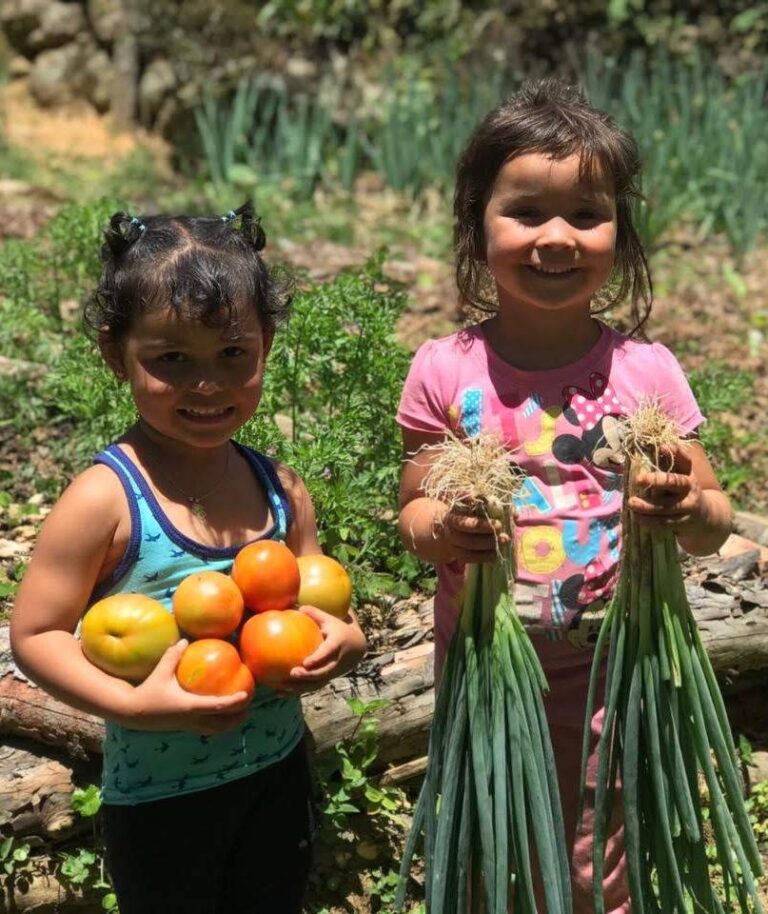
column 232, row 352
column 526, row 214
column 171, row 357
column 586, row 215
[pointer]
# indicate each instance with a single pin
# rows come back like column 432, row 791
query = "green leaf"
column 745, row 750
column 86, row 801
column 736, row 281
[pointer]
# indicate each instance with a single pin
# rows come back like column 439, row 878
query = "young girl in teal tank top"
column 206, row 800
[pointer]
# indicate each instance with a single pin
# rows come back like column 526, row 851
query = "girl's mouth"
column 551, row 271
column 207, row 414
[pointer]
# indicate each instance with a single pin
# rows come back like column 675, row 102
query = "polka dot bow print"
column 591, row 406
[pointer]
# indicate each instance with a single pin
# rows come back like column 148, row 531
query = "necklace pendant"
column 197, row 509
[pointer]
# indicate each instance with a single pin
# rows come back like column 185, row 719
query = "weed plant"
column 720, row 391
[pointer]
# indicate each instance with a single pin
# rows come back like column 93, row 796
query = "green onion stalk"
column 490, row 792
column 665, row 728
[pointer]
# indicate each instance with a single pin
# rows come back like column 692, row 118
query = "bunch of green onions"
column 490, row 784
column 665, row 725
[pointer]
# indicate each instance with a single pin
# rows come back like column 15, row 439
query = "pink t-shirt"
column 568, row 529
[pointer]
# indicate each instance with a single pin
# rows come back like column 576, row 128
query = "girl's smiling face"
column 193, row 384
column 550, row 234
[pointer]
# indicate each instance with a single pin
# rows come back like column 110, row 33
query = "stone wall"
column 85, row 49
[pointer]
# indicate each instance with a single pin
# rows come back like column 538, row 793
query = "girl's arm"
column 344, row 643
column 427, row 528
column 74, row 543
column 688, row 499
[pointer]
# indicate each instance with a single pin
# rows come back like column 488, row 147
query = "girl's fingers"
column 223, row 704
column 326, row 653
column 467, row 523
column 166, row 665
column 302, row 674
column 662, row 484
column 639, row 506
column 476, row 542
column 314, row 613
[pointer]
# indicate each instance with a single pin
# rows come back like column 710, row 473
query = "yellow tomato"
column 324, row 584
column 126, row 634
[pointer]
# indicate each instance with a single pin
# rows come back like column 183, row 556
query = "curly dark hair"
column 550, row 117
column 203, row 267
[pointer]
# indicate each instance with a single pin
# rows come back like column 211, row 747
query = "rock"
column 157, row 83
column 106, row 18
column 9, row 549
column 18, row 19
column 53, row 74
column 60, row 23
column 79, row 69
column 368, row 850
column 758, row 767
column 97, row 79
column 19, row 67
column 301, row 69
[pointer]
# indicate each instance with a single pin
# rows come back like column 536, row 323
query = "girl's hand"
column 160, row 703
column 670, row 499
column 468, row 538
column 343, row 647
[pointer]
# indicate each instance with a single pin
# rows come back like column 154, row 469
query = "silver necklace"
column 195, row 502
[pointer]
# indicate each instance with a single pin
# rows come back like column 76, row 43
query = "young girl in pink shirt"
column 544, row 242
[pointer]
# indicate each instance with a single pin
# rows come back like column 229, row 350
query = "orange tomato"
column 213, row 667
column 126, row 634
column 324, row 584
column 208, row 605
column 267, row 574
column 273, row 642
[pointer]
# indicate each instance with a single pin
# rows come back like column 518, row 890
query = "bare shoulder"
column 78, row 539
column 98, row 487
column 92, row 506
column 291, row 481
column 302, row 535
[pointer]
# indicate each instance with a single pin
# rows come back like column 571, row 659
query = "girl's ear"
column 112, row 353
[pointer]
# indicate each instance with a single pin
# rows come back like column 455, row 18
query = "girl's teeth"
column 541, row 269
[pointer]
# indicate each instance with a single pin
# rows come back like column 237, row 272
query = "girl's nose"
column 206, row 385
column 556, row 233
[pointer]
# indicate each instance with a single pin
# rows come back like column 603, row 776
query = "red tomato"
column 267, row 574
column 208, row 605
column 213, row 667
column 324, row 584
column 126, row 634
column 272, row 643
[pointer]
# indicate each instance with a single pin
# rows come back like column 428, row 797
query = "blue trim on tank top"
column 131, row 554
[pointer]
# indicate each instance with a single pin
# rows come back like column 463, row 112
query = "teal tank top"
column 141, row 765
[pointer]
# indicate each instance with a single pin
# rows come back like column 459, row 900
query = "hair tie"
column 228, row 217
column 138, row 223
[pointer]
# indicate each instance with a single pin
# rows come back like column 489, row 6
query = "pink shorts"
column 567, row 669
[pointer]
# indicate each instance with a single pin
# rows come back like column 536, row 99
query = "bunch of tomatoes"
column 242, row 627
